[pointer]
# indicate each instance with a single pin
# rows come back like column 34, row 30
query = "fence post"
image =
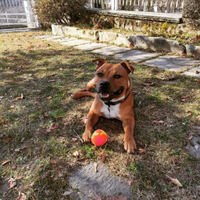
column 116, row 4
column 91, row 4
column 7, row 20
column 112, row 4
column 31, row 18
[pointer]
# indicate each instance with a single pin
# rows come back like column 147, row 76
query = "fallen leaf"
column 12, row 107
column 129, row 183
column 49, row 81
column 135, row 92
column 175, row 181
column 148, row 84
column 19, row 98
column 52, row 128
column 50, row 97
column 12, row 183
column 21, row 196
column 74, row 139
column 55, row 162
column 103, row 156
column 197, row 72
column 68, row 192
column 7, row 140
column 4, row 162
column 197, row 82
column 95, row 166
column 1, row 121
column 142, row 151
column 158, row 122
column 75, row 153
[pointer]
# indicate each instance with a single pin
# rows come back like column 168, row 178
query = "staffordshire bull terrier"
column 113, row 99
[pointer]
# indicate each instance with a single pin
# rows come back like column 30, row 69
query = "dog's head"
column 111, row 81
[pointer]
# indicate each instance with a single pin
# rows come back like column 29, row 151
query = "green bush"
column 60, row 11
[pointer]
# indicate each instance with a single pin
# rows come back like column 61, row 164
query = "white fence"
column 164, row 6
column 17, row 12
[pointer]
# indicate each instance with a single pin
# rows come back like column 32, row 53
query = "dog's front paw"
column 129, row 145
column 87, row 136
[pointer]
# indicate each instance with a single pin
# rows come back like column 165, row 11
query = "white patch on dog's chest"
column 111, row 111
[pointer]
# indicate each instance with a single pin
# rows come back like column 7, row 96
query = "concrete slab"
column 88, row 183
column 91, row 46
column 75, row 42
column 195, row 72
column 107, row 51
column 135, row 55
column 172, row 63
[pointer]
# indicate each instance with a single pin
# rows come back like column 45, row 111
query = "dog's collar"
column 111, row 103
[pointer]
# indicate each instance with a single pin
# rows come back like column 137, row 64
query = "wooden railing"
column 163, row 6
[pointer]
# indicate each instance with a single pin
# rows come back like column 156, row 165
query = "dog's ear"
column 128, row 68
column 100, row 62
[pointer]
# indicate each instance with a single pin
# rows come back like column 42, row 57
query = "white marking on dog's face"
column 111, row 112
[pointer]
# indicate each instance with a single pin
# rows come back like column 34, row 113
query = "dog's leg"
column 129, row 142
column 92, row 119
column 85, row 92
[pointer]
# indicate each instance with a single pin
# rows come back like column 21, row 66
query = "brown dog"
column 113, row 99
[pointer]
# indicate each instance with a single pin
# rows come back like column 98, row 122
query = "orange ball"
column 99, row 137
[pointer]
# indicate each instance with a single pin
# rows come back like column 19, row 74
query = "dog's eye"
column 100, row 74
column 117, row 76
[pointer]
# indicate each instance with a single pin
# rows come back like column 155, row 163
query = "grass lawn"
column 40, row 124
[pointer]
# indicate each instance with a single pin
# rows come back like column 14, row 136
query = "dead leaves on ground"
column 52, row 128
column 175, row 181
column 21, row 196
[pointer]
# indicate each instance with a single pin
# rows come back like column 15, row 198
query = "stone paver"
column 91, row 46
column 135, row 55
column 110, row 50
column 75, row 42
column 167, row 62
column 195, row 72
column 193, row 146
column 172, row 63
column 89, row 183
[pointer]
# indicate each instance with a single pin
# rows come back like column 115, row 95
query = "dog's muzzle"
column 105, row 93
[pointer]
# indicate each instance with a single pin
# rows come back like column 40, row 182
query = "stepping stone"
column 75, row 42
column 88, row 183
column 193, row 145
column 135, row 55
column 195, row 72
column 91, row 46
column 110, row 50
column 172, row 63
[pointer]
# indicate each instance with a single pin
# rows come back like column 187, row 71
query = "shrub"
column 60, row 11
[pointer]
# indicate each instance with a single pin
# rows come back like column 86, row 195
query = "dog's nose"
column 104, row 83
